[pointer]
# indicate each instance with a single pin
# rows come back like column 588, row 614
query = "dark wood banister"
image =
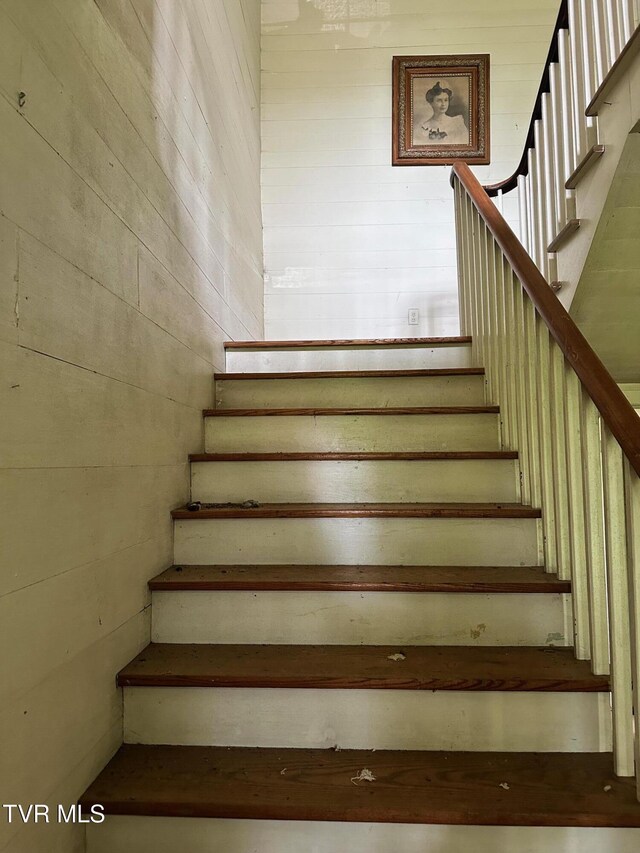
column 511, row 183
column 617, row 412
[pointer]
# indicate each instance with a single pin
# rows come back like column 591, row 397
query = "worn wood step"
column 363, row 510
column 414, row 605
column 382, row 430
column 362, row 667
column 355, row 534
column 356, row 605
column 408, row 787
column 447, row 579
column 350, row 411
column 352, row 374
column 336, row 456
column 363, row 477
column 365, row 388
column 348, row 342
column 357, row 354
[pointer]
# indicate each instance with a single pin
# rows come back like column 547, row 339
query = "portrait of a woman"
column 442, row 128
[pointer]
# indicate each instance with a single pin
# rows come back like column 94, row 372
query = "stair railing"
column 578, row 440
column 590, row 37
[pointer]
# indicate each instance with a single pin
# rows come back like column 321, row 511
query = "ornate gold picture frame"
column 440, row 110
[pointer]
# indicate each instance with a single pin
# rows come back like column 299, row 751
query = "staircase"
column 358, row 647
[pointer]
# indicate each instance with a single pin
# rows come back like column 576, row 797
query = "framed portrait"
column 440, row 110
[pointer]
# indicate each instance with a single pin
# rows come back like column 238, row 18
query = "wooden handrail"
column 617, row 412
column 562, row 23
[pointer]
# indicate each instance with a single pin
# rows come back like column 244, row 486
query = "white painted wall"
column 606, row 306
column 130, row 248
column 351, row 243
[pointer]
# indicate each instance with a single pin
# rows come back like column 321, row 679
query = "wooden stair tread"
column 391, row 410
column 478, row 668
column 462, row 579
column 472, row 788
column 360, row 510
column 348, row 342
column 356, row 374
column 362, row 456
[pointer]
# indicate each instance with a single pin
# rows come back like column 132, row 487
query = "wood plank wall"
column 606, row 306
column 351, row 243
column 130, row 248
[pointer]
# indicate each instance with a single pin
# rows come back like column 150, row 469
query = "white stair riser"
column 358, row 541
column 368, row 719
column 356, row 481
column 122, row 833
column 282, row 433
column 370, row 618
column 338, row 392
column 296, row 359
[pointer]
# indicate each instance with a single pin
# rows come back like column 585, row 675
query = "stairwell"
column 359, row 646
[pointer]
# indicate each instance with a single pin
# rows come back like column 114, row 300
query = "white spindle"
column 524, row 212
column 550, row 184
column 577, row 513
column 468, row 263
column 632, row 489
column 495, row 260
column 557, row 142
column 543, row 426
column 526, row 314
column 627, row 20
column 579, row 98
column 513, row 295
column 513, row 378
column 485, row 238
column 613, row 29
column 618, row 599
column 506, row 408
column 560, row 486
column 601, row 41
column 460, row 250
column 540, row 199
column 475, row 285
column 594, row 526
column 589, row 63
column 530, row 205
column 565, row 106
column 592, row 59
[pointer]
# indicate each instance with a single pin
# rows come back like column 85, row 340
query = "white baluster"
column 626, row 18
column 632, row 488
column 577, row 80
column 614, row 30
column 559, row 467
column 618, row 589
column 543, row 426
column 589, row 63
column 532, row 198
column 577, row 512
column 565, row 106
column 550, row 184
column 594, row 525
column 559, row 158
column 460, row 246
column 540, row 201
column 524, row 213
column 601, row 42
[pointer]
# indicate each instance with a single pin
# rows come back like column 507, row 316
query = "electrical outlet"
column 414, row 316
